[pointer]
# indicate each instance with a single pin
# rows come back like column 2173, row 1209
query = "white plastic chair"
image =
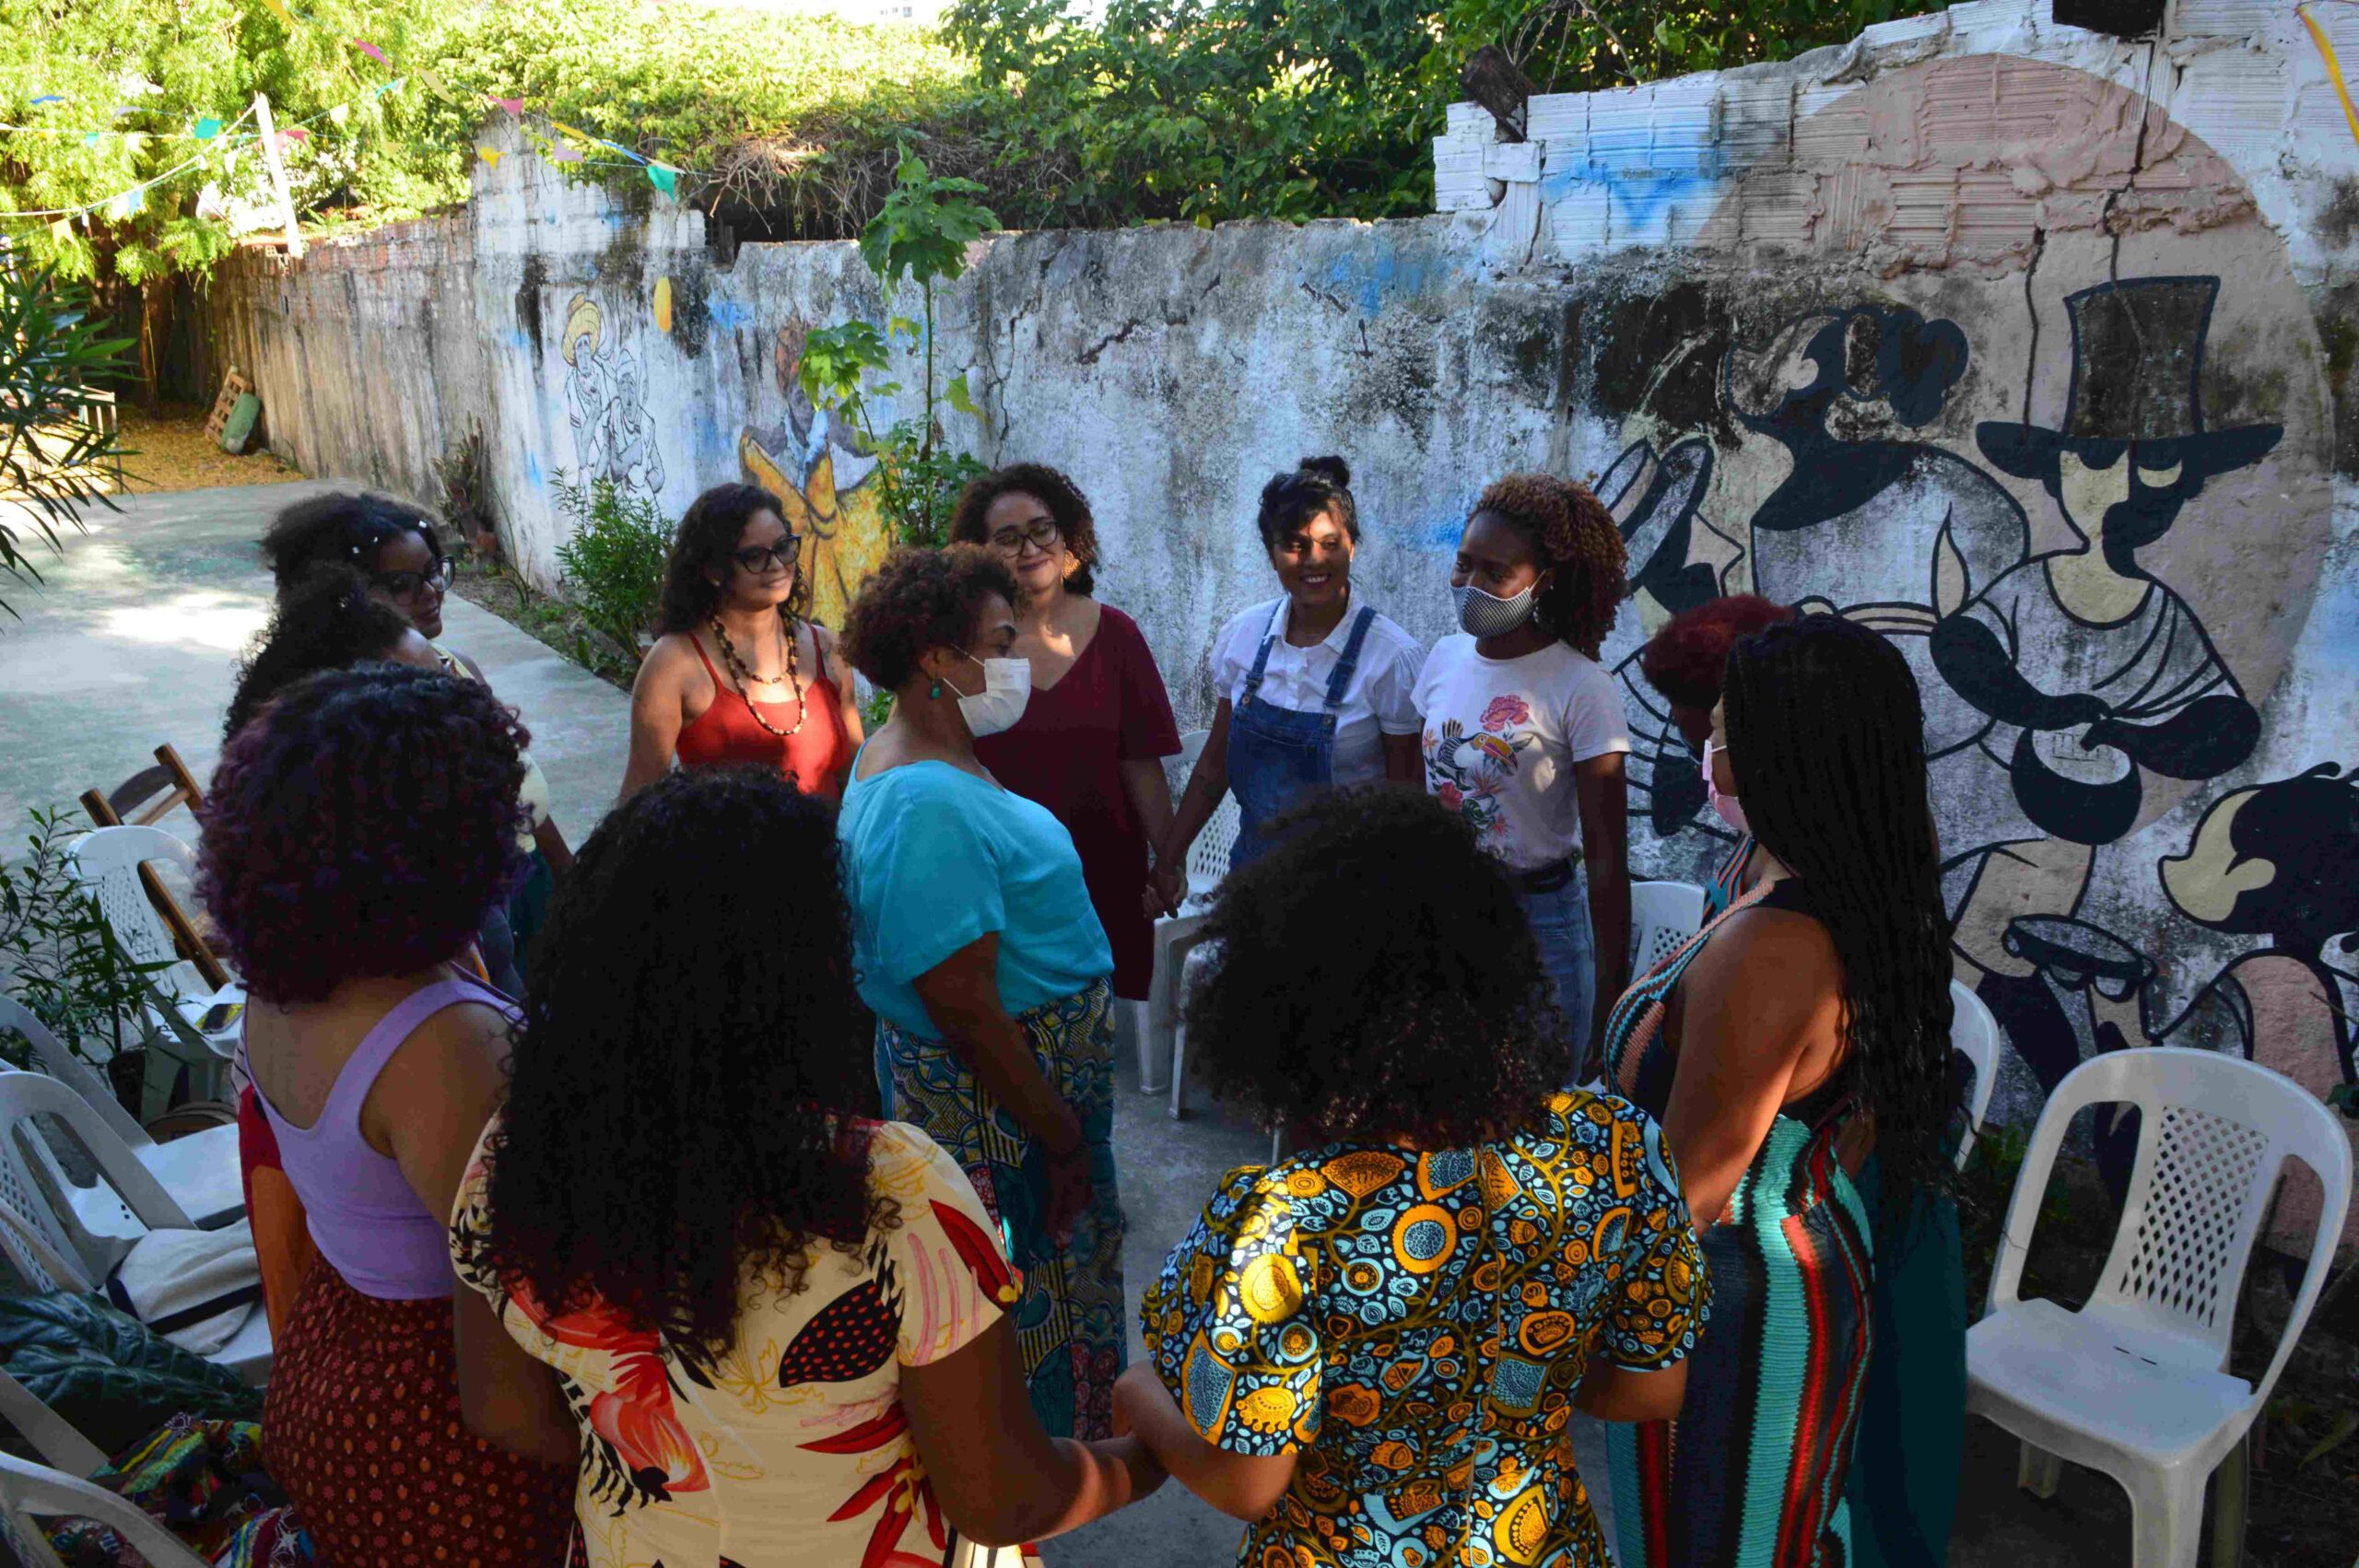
column 1663, row 914
column 28, row 1491
column 36, row 1233
column 200, row 1169
column 1176, row 934
column 2136, row 1384
column 107, row 862
column 1975, row 1034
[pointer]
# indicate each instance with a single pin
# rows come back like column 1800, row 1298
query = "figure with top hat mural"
column 2091, row 673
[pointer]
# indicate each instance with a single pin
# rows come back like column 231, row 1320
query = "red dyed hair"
column 1685, row 659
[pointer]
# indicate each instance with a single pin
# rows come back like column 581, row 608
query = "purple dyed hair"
column 359, row 825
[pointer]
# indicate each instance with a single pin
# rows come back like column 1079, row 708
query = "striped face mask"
column 1482, row 614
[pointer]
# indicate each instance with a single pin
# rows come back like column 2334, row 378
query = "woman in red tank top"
column 739, row 676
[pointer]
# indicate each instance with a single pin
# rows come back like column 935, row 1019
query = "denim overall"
column 1279, row 756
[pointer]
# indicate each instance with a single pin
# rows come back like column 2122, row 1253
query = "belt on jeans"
column 1545, row 878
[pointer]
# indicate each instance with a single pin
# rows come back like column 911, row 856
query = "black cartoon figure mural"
column 1890, row 533
column 2088, row 670
column 2279, row 861
column 1654, row 500
column 2282, row 861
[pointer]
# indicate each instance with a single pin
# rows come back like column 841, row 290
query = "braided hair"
column 1827, row 736
column 1569, row 531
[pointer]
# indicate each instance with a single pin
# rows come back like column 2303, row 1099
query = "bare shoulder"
column 671, row 663
column 1768, row 963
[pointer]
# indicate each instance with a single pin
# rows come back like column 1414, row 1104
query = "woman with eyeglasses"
column 1091, row 743
column 393, row 546
column 741, row 674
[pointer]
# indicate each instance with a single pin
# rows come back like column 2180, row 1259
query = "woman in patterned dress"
column 1371, row 1352
column 785, row 1330
column 1804, row 1029
column 985, row 964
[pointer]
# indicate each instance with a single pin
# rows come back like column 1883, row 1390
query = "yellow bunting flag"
column 61, row 231
column 340, row 114
column 663, row 304
column 279, row 8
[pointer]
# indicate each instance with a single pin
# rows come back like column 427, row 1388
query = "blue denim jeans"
column 1560, row 925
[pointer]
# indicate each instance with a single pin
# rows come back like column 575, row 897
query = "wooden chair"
column 142, row 800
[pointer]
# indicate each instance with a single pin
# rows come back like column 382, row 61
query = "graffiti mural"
column 816, row 462
column 2094, row 543
column 605, row 402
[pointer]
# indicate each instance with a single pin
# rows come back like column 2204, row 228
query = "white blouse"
column 1381, row 700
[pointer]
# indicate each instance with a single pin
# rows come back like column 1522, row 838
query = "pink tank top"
column 362, row 1214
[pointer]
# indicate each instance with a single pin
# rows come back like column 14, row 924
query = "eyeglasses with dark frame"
column 756, row 559
column 1041, row 530
column 406, row 585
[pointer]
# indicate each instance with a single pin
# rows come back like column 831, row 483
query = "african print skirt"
column 1069, row 1320
column 362, row 1428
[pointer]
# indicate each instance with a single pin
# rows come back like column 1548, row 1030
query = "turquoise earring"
column 936, row 695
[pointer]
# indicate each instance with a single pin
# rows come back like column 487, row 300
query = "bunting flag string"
column 212, row 135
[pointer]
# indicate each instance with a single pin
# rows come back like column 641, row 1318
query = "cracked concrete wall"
column 2030, row 346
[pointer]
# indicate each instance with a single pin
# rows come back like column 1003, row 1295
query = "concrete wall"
column 2033, row 347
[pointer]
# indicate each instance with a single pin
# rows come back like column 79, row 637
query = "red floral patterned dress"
column 793, row 1447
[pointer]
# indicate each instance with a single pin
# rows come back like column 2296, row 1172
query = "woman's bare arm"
column 1602, row 785
column 1000, row 1477
column 656, row 715
column 1755, row 1014
column 1242, row 1486
column 429, row 1106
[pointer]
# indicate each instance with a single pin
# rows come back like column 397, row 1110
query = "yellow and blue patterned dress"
column 1415, row 1325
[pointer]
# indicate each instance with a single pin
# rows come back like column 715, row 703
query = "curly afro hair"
column 1425, row 1014
column 1052, row 490
column 1317, row 485
column 706, row 542
column 361, row 826
column 325, row 622
column 344, row 529
column 1687, row 659
column 917, row 600
column 677, row 1121
column 1569, row 530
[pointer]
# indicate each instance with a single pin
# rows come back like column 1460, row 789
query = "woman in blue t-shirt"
column 985, row 964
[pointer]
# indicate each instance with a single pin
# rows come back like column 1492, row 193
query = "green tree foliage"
column 145, row 76
column 921, row 236
column 788, row 126
column 55, row 458
column 1216, row 109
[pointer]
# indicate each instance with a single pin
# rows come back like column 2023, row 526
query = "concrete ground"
column 133, row 641
column 134, row 635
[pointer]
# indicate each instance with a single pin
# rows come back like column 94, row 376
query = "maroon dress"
column 1066, row 753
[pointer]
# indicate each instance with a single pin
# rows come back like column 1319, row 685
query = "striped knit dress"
column 1752, row 1471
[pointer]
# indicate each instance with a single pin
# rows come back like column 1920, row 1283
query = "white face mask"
column 1007, row 689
